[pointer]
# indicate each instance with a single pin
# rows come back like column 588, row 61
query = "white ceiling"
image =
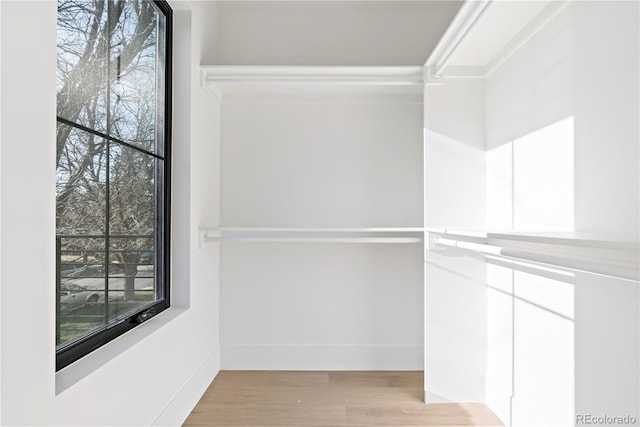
column 357, row 33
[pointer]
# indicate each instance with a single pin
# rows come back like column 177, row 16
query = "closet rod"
column 589, row 266
column 278, row 239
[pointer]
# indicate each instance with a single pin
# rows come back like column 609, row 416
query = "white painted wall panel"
column 551, row 80
column 454, row 155
column 26, row 96
column 500, row 187
column 500, row 350
column 607, row 129
column 543, row 179
column 607, row 349
column 317, row 160
column 530, row 145
column 321, row 306
column 532, row 88
column 455, row 329
column 607, row 108
column 323, row 162
column 455, row 292
column 543, row 351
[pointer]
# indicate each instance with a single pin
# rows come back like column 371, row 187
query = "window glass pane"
column 80, row 224
column 81, row 183
column 134, row 94
column 131, row 274
column 110, row 171
column 80, row 284
column 82, row 74
column 132, row 207
column 132, row 191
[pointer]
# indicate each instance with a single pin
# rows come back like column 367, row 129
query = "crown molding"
column 460, row 27
column 471, row 12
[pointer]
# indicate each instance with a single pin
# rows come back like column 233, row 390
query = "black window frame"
column 103, row 335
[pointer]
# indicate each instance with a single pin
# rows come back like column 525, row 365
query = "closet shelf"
column 222, row 78
column 313, row 235
column 606, row 255
column 377, row 75
column 570, row 238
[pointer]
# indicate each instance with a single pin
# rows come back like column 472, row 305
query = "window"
column 112, row 170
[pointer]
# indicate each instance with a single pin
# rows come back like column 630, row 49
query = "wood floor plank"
column 376, row 379
column 271, row 378
column 213, row 413
column 237, row 378
column 339, row 395
column 328, row 399
column 296, row 379
column 296, row 414
column 432, row 414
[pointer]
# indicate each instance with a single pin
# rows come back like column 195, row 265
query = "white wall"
column 606, row 113
column 607, row 128
column 0, row 211
column 530, row 186
column 455, row 294
column 153, row 374
column 22, row 223
column 321, row 160
column 548, row 100
column 331, row 33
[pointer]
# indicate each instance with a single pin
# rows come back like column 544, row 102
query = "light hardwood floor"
column 313, row 398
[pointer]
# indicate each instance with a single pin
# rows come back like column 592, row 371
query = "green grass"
column 89, row 317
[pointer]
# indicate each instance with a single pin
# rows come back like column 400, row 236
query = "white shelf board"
column 220, row 79
column 569, row 238
column 602, row 254
column 313, row 234
column 378, row 75
column 323, row 229
column 281, row 239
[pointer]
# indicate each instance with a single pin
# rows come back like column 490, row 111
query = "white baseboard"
column 431, row 397
column 449, row 382
column 322, row 357
column 188, row 396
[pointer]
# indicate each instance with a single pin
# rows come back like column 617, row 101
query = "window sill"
column 72, row 374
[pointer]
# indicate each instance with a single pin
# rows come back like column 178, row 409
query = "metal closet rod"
column 313, row 235
column 276, row 239
column 588, row 266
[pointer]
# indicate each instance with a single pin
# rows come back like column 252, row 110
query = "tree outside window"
column 111, row 166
